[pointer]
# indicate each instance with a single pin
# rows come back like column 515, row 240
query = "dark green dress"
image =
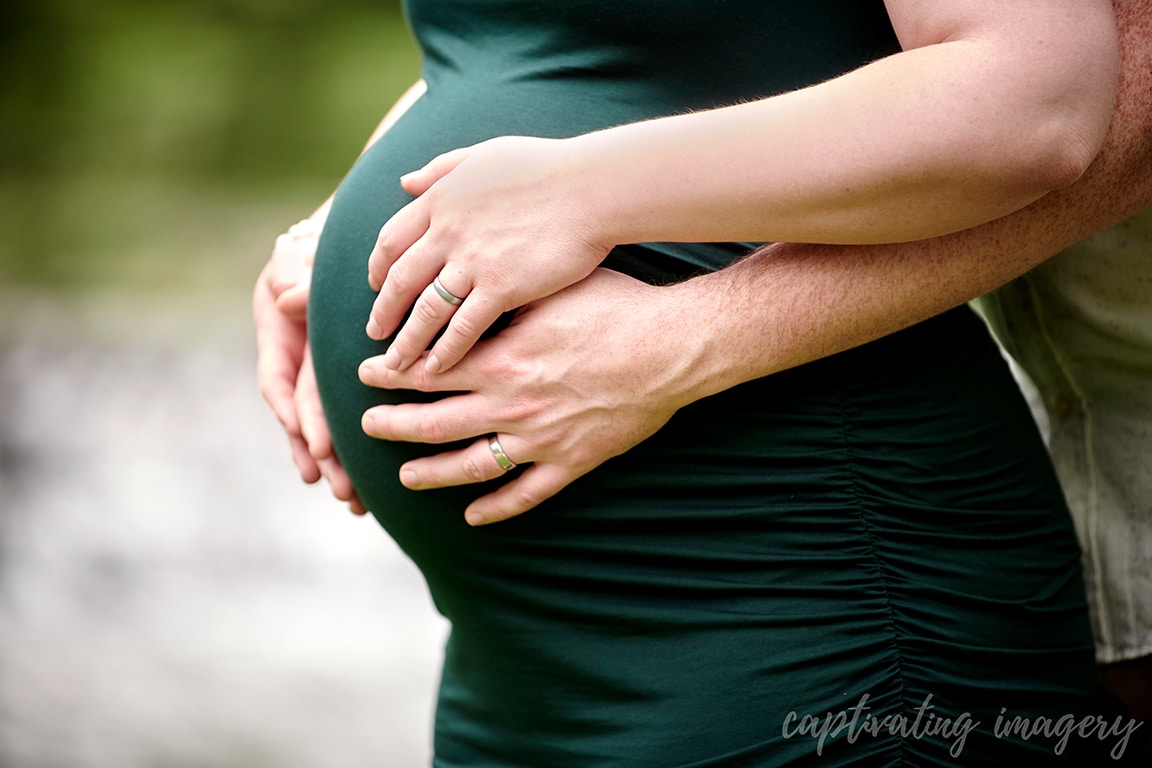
column 881, row 526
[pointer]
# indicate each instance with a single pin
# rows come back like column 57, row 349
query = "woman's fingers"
column 463, row 321
column 309, row 411
column 417, row 182
column 468, row 323
column 407, row 278
column 374, row 372
column 435, row 307
column 410, row 223
column 293, row 301
column 279, row 347
column 337, row 478
column 305, row 464
column 397, row 235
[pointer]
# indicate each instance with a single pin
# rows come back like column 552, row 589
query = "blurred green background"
column 161, row 145
column 170, row 593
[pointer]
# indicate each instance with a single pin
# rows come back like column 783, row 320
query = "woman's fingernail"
column 474, row 518
column 368, row 424
column 374, row 329
column 391, row 360
column 408, row 478
column 367, row 375
column 432, row 364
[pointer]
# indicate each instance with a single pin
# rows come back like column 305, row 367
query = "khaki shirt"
column 1080, row 326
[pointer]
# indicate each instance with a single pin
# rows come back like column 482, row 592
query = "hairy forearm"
column 788, row 304
column 945, row 135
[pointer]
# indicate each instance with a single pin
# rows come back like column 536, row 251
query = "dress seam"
column 859, row 508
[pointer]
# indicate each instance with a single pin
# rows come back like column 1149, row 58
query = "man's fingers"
column 444, row 421
column 374, row 372
column 475, row 464
column 538, row 483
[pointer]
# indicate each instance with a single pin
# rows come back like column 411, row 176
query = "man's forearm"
column 788, row 304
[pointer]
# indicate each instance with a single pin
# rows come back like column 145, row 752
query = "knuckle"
column 527, row 497
column 383, row 242
column 424, row 311
column 419, row 379
column 473, row 469
column 525, row 410
column 390, row 379
column 399, row 278
column 429, row 429
column 463, row 329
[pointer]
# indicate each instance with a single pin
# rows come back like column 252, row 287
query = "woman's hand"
column 284, row 363
column 289, row 273
column 577, row 378
column 280, row 345
column 493, row 227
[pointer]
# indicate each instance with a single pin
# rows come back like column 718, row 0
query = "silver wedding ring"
column 501, row 457
column 445, row 294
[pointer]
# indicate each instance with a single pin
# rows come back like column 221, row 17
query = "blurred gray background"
column 170, row 594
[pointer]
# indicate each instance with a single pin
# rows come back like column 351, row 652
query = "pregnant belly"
column 341, row 298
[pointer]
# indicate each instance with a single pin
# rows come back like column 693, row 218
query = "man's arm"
column 817, row 300
column 629, row 355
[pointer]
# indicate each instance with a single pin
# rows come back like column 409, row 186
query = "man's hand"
column 574, row 380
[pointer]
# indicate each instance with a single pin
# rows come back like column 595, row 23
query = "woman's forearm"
column 788, row 304
column 990, row 106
